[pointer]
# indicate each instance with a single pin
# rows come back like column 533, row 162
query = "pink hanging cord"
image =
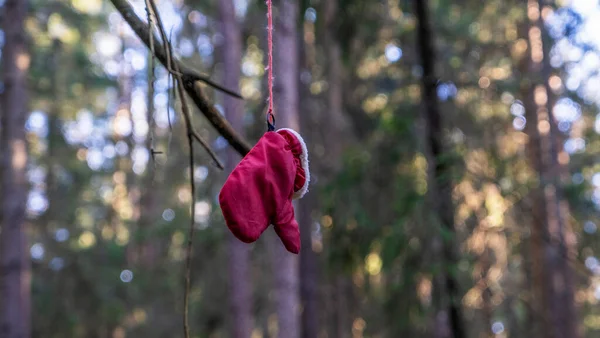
column 270, row 111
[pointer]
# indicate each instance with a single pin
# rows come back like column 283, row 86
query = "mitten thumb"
column 287, row 228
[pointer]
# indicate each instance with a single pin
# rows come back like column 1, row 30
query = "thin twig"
column 189, row 128
column 178, row 78
column 151, row 81
column 206, row 147
column 150, row 28
column 188, row 258
column 171, row 78
column 192, row 135
column 190, row 78
column 195, row 76
column 168, row 50
column 205, row 79
column 163, row 35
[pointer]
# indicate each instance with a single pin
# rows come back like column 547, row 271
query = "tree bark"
column 309, row 293
column 440, row 192
column 343, row 323
column 15, row 265
column 565, row 313
column 240, row 292
column 551, row 244
column 335, row 119
column 309, row 265
column 286, row 101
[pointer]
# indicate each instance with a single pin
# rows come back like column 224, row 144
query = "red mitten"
column 260, row 189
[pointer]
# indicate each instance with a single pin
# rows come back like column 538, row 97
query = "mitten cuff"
column 300, row 151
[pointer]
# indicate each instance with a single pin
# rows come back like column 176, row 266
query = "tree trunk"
column 565, row 313
column 240, row 295
column 343, row 323
column 309, row 293
column 440, row 192
column 309, row 265
column 286, row 101
column 551, row 242
column 15, row 265
column 486, row 293
column 335, row 120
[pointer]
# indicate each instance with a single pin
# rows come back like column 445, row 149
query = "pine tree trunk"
column 335, row 120
column 240, row 292
column 15, row 266
column 439, row 171
column 309, row 263
column 551, row 237
column 286, row 91
column 343, row 322
column 565, row 313
column 309, row 293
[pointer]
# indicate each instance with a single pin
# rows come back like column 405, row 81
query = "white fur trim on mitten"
column 304, row 161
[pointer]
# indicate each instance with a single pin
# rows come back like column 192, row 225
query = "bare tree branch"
column 191, row 79
column 174, row 70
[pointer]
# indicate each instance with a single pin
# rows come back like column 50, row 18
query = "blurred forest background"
column 454, row 151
